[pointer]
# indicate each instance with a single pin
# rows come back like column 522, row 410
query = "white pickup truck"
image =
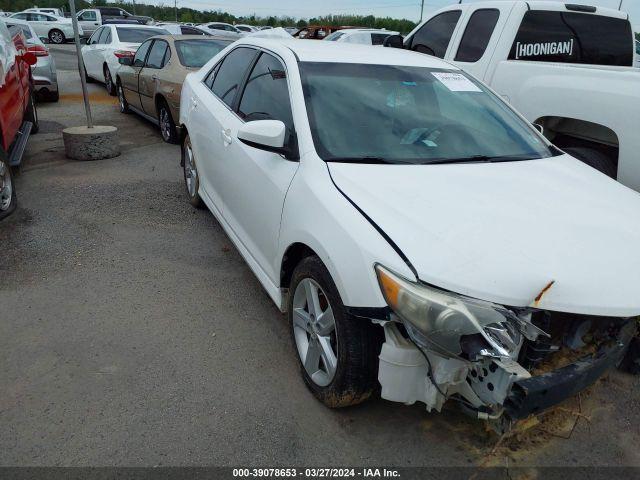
column 565, row 67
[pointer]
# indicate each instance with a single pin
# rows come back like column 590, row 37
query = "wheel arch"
column 293, row 255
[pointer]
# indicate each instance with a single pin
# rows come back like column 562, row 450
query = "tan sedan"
column 149, row 83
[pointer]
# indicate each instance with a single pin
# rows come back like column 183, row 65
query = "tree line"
column 166, row 11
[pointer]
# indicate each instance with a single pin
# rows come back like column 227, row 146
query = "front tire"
column 8, row 199
column 122, row 100
column 108, row 82
column 191, row 176
column 337, row 353
column 57, row 37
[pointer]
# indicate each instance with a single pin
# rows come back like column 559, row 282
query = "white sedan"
column 363, row 36
column 109, row 43
column 416, row 230
column 56, row 29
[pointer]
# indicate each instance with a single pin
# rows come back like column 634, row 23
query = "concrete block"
column 97, row 143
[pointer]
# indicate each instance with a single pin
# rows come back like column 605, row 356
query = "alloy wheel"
column 314, row 329
column 56, row 37
column 6, row 187
column 190, row 171
column 165, row 124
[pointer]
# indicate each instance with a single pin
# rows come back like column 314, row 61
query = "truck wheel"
column 56, row 36
column 337, row 353
column 594, row 159
column 8, row 198
column 32, row 114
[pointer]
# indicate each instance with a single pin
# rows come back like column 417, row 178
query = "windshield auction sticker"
column 456, row 82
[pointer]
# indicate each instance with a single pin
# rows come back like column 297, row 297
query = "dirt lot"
column 132, row 333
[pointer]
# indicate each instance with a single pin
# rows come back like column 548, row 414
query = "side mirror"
column 30, row 58
column 394, row 41
column 125, row 61
column 267, row 135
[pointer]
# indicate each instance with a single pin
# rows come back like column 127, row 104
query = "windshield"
column 397, row 114
column 138, row 35
column 195, row 53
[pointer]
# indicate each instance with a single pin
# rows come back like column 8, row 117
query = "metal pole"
column 421, row 10
column 76, row 36
column 175, row 7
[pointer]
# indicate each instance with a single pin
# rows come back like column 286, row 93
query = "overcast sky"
column 394, row 8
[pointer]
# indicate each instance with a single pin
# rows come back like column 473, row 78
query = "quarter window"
column 571, row 37
column 434, row 36
column 138, row 59
column 266, row 95
column 157, row 54
column 231, row 73
column 477, row 35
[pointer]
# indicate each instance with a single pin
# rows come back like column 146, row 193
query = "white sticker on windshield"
column 456, row 82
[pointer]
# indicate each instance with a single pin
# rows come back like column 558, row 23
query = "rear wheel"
column 108, row 82
column 191, row 177
column 56, row 36
column 54, row 96
column 32, row 113
column 8, row 198
column 337, row 353
column 167, row 125
column 594, row 159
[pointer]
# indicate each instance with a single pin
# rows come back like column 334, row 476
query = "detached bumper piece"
column 533, row 395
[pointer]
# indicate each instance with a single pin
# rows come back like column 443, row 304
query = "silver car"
column 44, row 73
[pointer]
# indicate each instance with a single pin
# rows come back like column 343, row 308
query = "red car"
column 18, row 116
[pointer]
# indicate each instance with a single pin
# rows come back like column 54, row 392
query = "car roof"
column 195, row 37
column 133, row 25
column 334, row 52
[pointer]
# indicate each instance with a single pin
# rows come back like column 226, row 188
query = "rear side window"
column 434, row 36
column 571, row 37
column 266, row 96
column 156, row 55
column 477, row 35
column 231, row 73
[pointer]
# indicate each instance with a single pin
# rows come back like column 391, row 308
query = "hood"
column 502, row 232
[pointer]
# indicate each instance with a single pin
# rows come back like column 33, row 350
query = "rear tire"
column 354, row 343
column 32, row 113
column 54, row 96
column 594, row 159
column 167, row 125
column 8, row 198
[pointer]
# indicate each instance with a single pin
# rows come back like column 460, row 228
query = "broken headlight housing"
column 451, row 324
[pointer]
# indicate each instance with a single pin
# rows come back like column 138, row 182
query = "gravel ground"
column 132, row 333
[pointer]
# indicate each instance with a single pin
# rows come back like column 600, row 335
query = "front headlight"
column 444, row 321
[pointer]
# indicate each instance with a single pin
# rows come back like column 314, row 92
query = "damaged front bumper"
column 535, row 394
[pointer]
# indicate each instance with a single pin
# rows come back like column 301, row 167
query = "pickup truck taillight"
column 124, row 53
column 38, row 50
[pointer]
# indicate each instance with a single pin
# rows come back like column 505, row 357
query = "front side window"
column 231, row 73
column 88, row 16
column 415, row 115
column 156, row 54
column 195, row 53
column 20, row 16
column 266, row 95
column 434, row 36
column 141, row 53
column 477, row 35
column 138, row 35
column 572, row 37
